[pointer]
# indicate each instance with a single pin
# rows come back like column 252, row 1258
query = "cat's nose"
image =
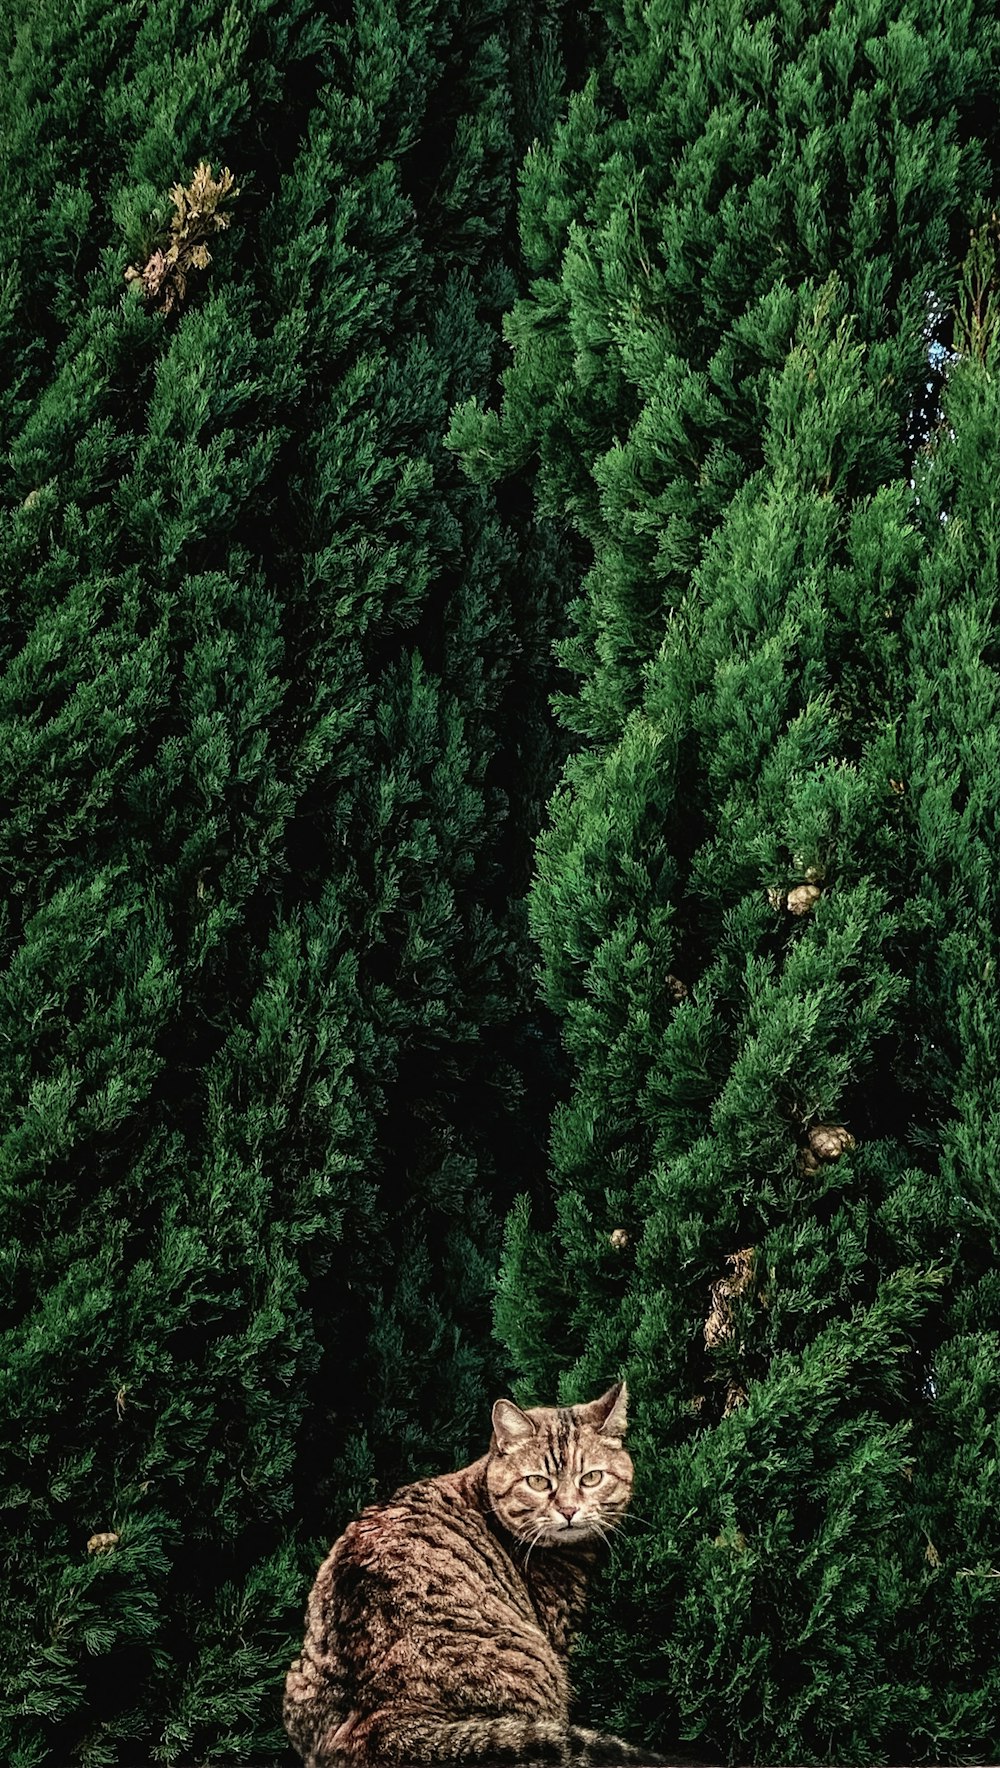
column 568, row 1510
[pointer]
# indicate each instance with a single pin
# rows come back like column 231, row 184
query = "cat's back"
column 427, row 1554
column 419, row 1602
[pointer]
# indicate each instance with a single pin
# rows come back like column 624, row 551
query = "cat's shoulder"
column 448, row 1500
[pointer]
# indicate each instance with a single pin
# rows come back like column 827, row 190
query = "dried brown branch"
column 198, row 216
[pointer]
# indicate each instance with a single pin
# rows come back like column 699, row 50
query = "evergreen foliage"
column 764, row 902
column 267, row 1045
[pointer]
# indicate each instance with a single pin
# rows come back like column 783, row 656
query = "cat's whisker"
column 640, row 1521
column 621, row 1528
column 605, row 1536
column 537, row 1532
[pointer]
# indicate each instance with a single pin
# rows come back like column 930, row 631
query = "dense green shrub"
column 273, row 735
column 764, row 902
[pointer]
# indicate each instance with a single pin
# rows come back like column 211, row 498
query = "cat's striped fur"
column 439, row 1625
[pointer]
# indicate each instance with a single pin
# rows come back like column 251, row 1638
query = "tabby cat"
column 439, row 1625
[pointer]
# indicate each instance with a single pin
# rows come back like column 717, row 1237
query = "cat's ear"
column 510, row 1425
column 609, row 1414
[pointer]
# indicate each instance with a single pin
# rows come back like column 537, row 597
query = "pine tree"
column 742, row 237
column 268, row 1049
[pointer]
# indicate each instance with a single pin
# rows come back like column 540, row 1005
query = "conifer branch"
column 977, row 315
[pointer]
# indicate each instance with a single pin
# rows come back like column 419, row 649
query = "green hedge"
column 765, row 901
column 274, row 737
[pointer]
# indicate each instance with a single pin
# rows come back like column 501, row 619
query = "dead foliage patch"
column 718, row 1328
column 198, row 216
column 724, row 1291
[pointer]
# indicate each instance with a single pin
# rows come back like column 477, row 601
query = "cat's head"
column 558, row 1475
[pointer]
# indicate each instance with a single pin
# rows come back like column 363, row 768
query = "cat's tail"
column 500, row 1742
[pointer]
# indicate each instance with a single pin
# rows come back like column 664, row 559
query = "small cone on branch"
column 676, row 990
column 829, row 1140
column 619, row 1238
column 798, row 901
column 103, row 1543
column 825, row 1141
column 802, row 899
column 808, row 870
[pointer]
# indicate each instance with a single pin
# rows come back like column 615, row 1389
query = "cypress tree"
column 267, row 1049
column 946, row 1209
column 770, row 1205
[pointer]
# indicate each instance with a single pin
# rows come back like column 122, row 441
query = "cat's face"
column 559, row 1475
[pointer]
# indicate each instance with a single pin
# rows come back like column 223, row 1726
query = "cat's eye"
column 537, row 1482
column 592, row 1478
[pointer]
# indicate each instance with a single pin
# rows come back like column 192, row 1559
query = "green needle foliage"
column 764, row 901
column 272, row 704
column 948, row 1207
